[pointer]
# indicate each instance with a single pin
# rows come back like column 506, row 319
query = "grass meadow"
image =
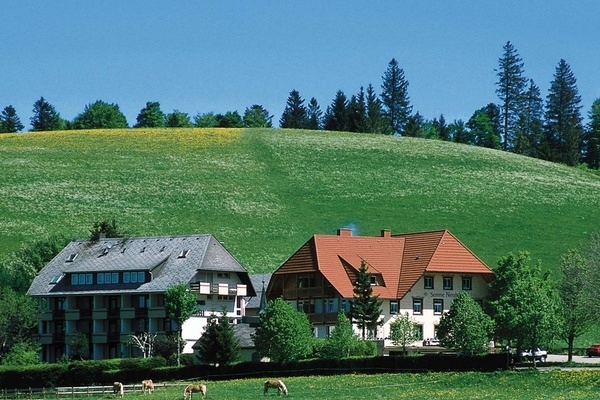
column 264, row 192
column 524, row 385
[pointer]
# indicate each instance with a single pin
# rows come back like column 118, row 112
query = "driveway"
column 576, row 359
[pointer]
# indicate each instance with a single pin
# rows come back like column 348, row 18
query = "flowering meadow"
column 523, row 385
column 264, row 192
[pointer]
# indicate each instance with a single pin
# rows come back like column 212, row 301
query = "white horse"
column 147, row 386
column 189, row 389
column 118, row 389
column 276, row 384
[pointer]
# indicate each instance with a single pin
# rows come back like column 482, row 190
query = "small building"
column 112, row 288
column 415, row 273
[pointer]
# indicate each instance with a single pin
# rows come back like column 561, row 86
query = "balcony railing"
column 58, row 314
column 323, row 318
column 141, row 312
column 113, row 336
column 310, row 292
column 222, row 289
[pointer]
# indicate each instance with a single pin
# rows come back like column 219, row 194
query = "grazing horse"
column 276, row 384
column 147, row 386
column 118, row 389
column 189, row 389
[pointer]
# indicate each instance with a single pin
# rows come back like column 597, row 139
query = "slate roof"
column 161, row 257
column 399, row 260
column 257, row 282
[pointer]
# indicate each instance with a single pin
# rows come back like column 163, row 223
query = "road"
column 576, row 359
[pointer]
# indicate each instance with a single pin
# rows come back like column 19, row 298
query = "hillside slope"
column 265, row 192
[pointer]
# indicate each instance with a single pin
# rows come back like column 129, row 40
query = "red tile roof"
column 400, row 259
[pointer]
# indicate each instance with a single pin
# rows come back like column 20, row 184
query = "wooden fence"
column 73, row 391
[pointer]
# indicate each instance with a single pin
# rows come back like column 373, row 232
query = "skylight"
column 55, row 279
column 184, row 253
column 71, row 257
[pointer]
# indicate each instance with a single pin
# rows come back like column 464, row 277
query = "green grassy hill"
column 265, row 192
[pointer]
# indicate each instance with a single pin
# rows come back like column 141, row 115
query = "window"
column 373, row 280
column 428, row 280
column 467, row 283
column 82, row 279
column 100, row 278
column 183, row 254
column 438, row 306
column 394, row 307
column 448, row 283
column 418, row 306
column 71, row 257
column 329, row 305
column 305, row 281
column 224, row 275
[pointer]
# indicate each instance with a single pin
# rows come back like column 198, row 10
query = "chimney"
column 386, row 233
column 344, row 232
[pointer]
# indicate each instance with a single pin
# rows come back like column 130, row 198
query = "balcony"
column 85, row 313
column 222, row 289
column 308, row 293
column 114, row 312
column 141, row 312
column 113, row 337
column 58, row 314
column 157, row 312
column 58, row 337
column 323, row 318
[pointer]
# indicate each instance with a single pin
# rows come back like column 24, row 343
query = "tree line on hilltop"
column 521, row 122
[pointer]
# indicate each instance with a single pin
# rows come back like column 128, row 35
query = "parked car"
column 538, row 354
column 431, row 342
column 593, row 350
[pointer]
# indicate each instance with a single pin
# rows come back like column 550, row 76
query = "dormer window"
column 183, row 254
column 373, row 279
column 71, row 257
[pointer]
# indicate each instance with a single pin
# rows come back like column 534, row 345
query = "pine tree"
column 394, row 97
column 178, row 119
column 315, row 115
column 375, row 120
column 336, row 116
column 482, row 131
column 414, row 126
column 366, row 308
column 592, row 137
column 9, row 121
column 356, row 113
column 150, row 116
column 295, row 113
column 45, row 117
column 530, row 125
column 218, row 344
column 257, row 117
column 511, row 85
column 442, row 128
column 563, row 132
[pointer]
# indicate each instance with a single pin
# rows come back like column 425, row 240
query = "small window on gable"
column 71, row 257
column 183, row 254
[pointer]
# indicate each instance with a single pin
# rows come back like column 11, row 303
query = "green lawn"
column 524, row 385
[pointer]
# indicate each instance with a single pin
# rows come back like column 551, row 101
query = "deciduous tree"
column 366, row 308
column 283, row 334
column 403, row 331
column 100, row 115
column 180, row 305
column 9, row 121
column 178, row 119
column 342, row 341
column 18, row 316
column 206, row 120
column 465, row 327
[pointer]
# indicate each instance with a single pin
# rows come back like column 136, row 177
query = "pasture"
column 524, row 385
column 264, row 192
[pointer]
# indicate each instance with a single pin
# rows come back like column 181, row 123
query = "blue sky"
column 201, row 56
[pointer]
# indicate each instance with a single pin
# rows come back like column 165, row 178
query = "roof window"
column 71, row 257
column 55, row 279
column 184, row 253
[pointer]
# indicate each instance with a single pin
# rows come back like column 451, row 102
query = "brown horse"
column 189, row 389
column 147, row 386
column 276, row 384
column 118, row 389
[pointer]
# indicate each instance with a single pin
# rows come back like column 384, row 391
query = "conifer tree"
column 178, row 119
column 315, row 115
column 45, row 117
column 9, row 121
column 150, row 116
column 366, row 308
column 394, row 97
column 295, row 113
column 218, row 344
column 257, row 117
column 592, row 137
column 375, row 120
column 530, row 125
column 563, row 131
column 336, row 116
column 511, row 85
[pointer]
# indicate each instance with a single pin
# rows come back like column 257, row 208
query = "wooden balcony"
column 222, row 289
column 309, row 293
column 322, row 318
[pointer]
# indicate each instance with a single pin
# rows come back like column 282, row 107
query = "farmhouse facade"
column 112, row 288
column 416, row 273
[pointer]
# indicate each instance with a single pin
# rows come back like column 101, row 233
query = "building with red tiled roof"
column 414, row 273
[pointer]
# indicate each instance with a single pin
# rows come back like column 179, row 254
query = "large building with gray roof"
column 112, row 288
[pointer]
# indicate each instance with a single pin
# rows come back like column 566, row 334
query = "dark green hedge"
column 82, row 373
